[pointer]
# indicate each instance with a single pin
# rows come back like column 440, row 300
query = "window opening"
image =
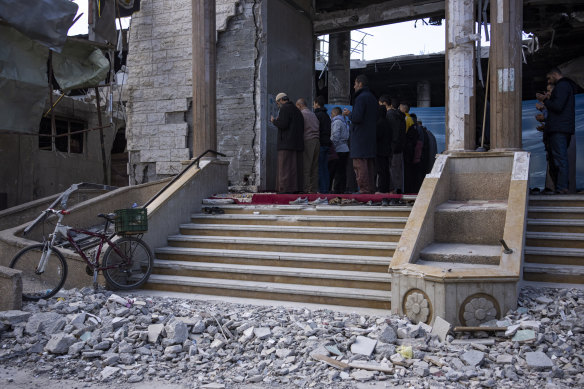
column 68, row 136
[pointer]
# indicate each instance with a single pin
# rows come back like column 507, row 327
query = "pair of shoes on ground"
column 213, row 210
column 299, row 201
column 303, row 201
column 385, row 202
column 319, row 201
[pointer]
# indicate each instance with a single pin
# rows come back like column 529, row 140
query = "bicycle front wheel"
column 37, row 285
column 128, row 264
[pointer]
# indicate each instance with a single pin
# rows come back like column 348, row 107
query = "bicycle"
column 127, row 261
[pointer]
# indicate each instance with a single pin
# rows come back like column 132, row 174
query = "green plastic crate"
column 131, row 221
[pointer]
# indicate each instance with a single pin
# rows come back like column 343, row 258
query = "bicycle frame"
column 64, row 231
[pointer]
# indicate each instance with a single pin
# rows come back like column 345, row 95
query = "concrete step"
column 556, row 225
column 554, row 255
column 573, row 200
column 288, row 275
column 470, row 222
column 462, row 253
column 576, row 213
column 554, row 239
column 543, row 272
column 322, row 210
column 275, row 258
column 448, row 266
column 302, row 220
column 293, row 232
column 271, row 290
column 287, row 245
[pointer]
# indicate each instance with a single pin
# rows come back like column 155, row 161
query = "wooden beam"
column 204, row 77
column 375, row 15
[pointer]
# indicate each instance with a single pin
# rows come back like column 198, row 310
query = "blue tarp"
column 433, row 119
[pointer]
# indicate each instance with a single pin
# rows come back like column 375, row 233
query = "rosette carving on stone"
column 417, row 306
column 477, row 309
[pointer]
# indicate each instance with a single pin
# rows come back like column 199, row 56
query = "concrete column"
column 424, row 90
column 204, row 77
column 339, row 68
column 460, row 75
column 505, row 82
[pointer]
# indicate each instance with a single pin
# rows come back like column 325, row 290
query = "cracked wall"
column 160, row 89
column 159, row 128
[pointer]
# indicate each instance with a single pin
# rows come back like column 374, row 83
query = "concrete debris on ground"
column 107, row 339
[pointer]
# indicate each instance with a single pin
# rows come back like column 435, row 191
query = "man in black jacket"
column 290, row 145
column 384, row 153
column 397, row 123
column 325, row 142
column 362, row 138
column 560, row 125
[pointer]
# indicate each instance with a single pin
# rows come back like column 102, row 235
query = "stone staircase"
column 337, row 255
column 554, row 251
column 466, row 234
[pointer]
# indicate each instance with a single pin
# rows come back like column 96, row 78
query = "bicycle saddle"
column 108, row 216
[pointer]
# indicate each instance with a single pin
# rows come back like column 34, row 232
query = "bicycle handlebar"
column 43, row 215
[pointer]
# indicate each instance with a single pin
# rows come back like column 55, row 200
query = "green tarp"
column 79, row 65
column 23, row 81
column 23, row 76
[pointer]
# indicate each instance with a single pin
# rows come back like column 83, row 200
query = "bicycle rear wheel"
column 129, row 266
column 36, row 286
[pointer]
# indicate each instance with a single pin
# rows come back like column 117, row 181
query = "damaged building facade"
column 251, row 31
column 160, row 85
column 52, row 133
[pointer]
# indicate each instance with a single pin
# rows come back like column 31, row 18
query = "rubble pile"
column 104, row 337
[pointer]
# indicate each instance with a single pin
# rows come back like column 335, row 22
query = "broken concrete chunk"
column 283, row 353
column 363, row 345
column 473, row 358
column 175, row 349
column 373, row 366
column 441, row 328
column 176, row 331
column 504, row 359
column 524, row 336
column 109, row 372
column 363, row 375
column 76, row 348
column 511, row 330
column 262, row 332
column 388, row 335
column 398, row 359
column 60, row 343
column 538, row 361
column 39, row 321
column 217, row 343
column 78, row 320
column 199, row 327
column 117, row 299
column 14, row 316
column 530, row 325
column 154, row 331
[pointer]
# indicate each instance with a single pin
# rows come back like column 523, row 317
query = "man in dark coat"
column 560, row 125
column 362, row 137
column 325, row 143
column 382, row 161
column 397, row 123
column 290, row 145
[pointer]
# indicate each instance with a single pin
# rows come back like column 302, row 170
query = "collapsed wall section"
column 159, row 128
